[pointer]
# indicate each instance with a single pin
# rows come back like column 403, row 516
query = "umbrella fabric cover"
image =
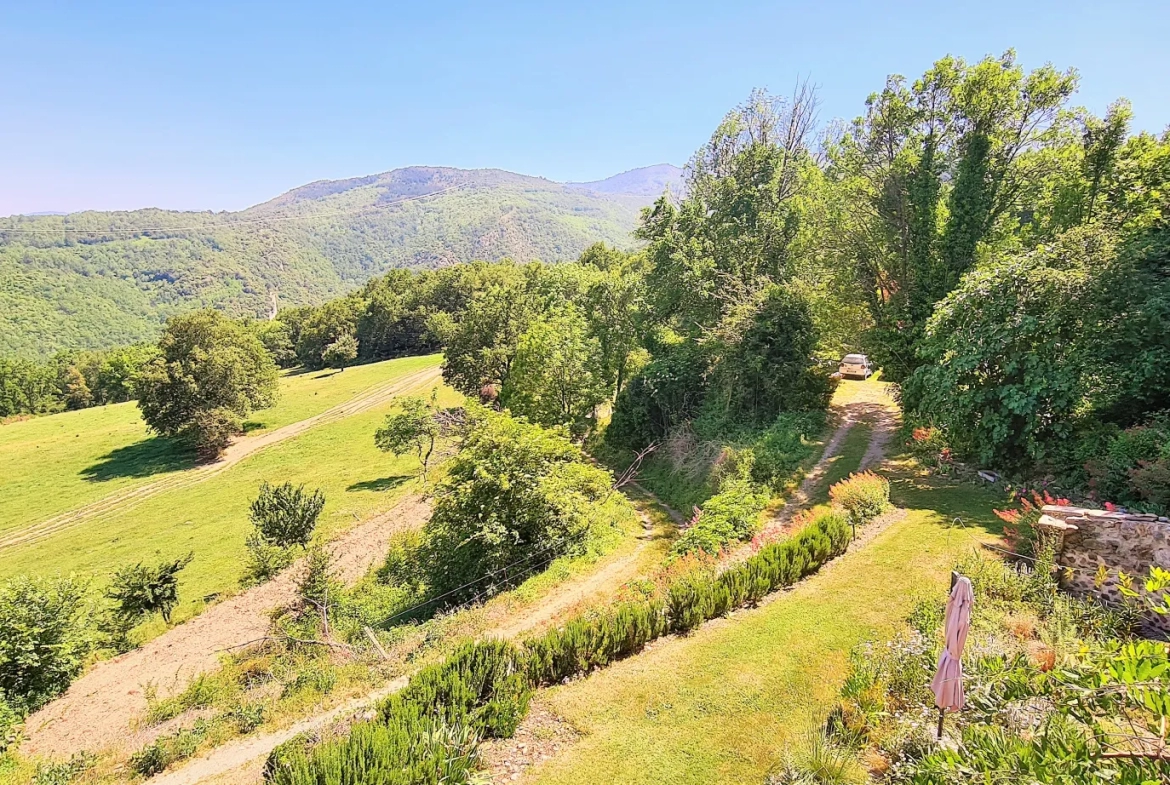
column 947, row 685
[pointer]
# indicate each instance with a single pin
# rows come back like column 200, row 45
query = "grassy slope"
column 211, row 517
column 722, row 704
column 53, row 464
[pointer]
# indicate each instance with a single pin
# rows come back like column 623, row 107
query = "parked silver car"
column 856, row 365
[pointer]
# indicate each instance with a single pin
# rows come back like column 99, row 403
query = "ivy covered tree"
column 211, row 372
column 935, row 170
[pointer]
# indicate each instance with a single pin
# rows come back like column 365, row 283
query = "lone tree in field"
column 285, row 515
column 140, row 590
column 414, row 429
column 341, row 352
column 211, row 372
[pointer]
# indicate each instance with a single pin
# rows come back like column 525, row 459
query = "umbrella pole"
column 942, row 713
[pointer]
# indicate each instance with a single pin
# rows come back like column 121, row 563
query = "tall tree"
column 211, row 372
column 936, row 170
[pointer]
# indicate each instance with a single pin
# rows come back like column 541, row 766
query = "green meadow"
column 50, row 465
column 210, row 517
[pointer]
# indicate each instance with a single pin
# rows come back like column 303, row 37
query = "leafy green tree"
column 1005, row 355
column 482, row 343
column 516, row 496
column 736, row 227
column 614, row 305
column 141, row 590
column 341, row 352
column 210, row 373
column 44, row 638
column 765, row 359
column 324, row 326
column 74, row 389
column 558, row 376
column 415, row 428
column 285, row 515
column 27, row 387
column 935, row 170
column 277, row 339
column 117, row 373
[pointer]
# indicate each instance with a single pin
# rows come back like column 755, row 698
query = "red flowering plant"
column 1021, row 535
column 929, row 445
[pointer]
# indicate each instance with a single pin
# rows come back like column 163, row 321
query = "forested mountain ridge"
column 99, row 279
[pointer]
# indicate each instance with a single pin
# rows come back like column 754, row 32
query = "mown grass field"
column 49, row 465
column 211, row 516
column 722, row 704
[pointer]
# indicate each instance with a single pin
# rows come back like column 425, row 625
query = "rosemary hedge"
column 428, row 732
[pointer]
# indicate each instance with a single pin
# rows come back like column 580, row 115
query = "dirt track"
column 238, row 761
column 126, row 499
column 99, row 709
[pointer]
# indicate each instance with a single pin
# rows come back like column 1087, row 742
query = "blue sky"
column 210, row 105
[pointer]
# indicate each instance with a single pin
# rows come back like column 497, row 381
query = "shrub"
column 285, row 515
column 817, row 760
column 482, row 686
column 264, row 561
column 729, row 516
column 11, row 726
column 516, row 497
column 140, row 591
column 44, row 640
column 65, row 772
column 247, row 716
column 784, row 447
column 594, row 641
column 427, row 733
column 862, row 496
column 411, row 749
column 171, row 748
column 318, row 583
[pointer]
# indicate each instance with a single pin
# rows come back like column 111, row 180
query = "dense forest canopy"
column 96, row 280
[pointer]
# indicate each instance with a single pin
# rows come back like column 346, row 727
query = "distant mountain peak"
column 645, row 181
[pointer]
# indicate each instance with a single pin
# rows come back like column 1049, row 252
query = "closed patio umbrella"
column 947, row 684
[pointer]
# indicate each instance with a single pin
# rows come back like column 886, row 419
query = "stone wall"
column 1129, row 542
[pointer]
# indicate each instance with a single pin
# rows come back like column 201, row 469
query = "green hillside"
column 99, row 279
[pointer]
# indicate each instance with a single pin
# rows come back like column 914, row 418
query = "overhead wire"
column 480, row 579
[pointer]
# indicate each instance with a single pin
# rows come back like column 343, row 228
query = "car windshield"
column 854, row 359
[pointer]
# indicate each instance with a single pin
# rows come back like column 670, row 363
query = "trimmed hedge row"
column 428, row 732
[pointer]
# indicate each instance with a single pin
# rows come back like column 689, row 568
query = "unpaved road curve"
column 98, row 710
column 241, row 756
column 121, row 501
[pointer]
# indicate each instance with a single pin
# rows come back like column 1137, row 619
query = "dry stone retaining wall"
column 1087, row 538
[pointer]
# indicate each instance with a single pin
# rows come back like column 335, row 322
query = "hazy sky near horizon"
column 216, row 105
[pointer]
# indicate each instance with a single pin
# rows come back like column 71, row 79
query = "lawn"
column 211, row 517
column 845, row 461
column 722, row 704
column 52, row 464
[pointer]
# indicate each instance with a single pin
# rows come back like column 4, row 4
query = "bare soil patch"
column 99, row 710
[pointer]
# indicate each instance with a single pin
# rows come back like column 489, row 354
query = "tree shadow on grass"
column 380, row 484
column 141, row 459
